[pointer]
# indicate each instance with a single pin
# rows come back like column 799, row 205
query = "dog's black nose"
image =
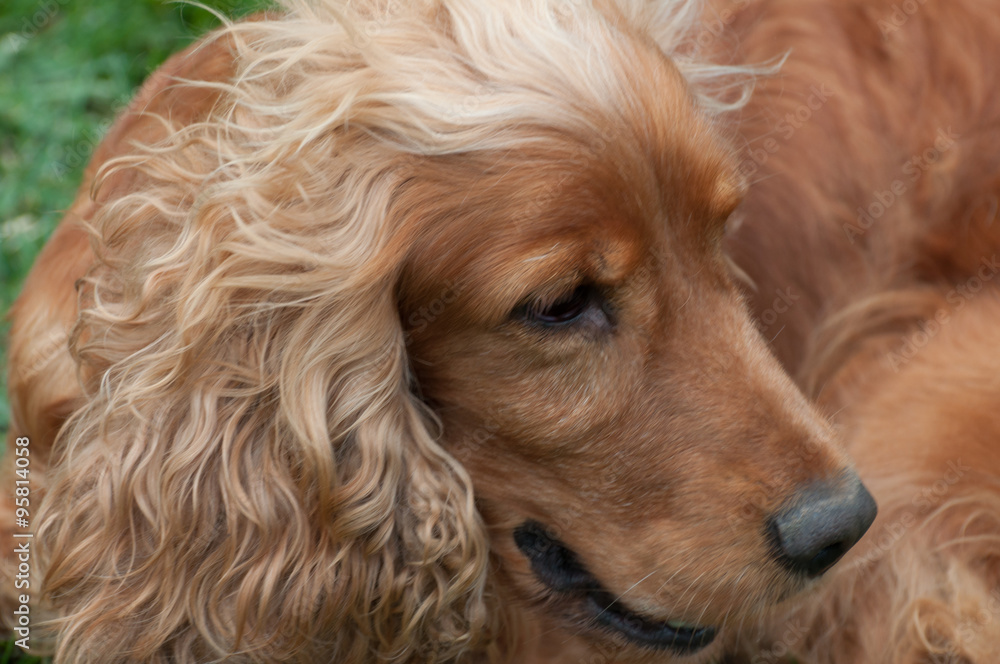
column 822, row 523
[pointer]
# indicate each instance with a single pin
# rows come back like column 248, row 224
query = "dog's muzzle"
column 561, row 571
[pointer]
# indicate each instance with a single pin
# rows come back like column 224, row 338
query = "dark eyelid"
column 568, row 309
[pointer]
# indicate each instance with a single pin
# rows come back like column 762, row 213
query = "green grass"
column 11, row 654
column 66, row 68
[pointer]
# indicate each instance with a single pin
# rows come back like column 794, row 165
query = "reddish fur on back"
column 882, row 302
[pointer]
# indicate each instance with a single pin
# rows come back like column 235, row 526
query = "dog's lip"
column 683, row 638
column 560, row 569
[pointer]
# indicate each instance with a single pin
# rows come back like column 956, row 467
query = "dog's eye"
column 567, row 309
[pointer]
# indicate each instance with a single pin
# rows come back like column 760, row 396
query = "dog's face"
column 630, row 439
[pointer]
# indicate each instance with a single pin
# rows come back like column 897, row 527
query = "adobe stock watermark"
column 419, row 320
column 468, row 105
column 569, row 7
column 32, row 25
column 922, row 502
column 783, row 302
column 785, row 129
column 79, row 153
column 912, row 170
column 966, row 631
column 782, row 647
column 956, row 298
column 899, row 16
column 56, row 342
column 23, row 538
column 370, row 29
column 716, row 27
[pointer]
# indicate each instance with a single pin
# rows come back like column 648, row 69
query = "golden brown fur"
column 890, row 319
column 305, row 403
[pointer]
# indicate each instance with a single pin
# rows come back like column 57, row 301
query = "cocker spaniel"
column 402, row 332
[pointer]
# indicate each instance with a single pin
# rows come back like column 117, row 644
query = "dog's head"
column 648, row 472
column 453, row 242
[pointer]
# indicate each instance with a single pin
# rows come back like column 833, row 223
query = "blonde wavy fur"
column 251, row 478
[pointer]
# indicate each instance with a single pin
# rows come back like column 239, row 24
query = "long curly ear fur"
column 251, row 478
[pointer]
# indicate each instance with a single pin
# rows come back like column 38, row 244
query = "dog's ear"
column 251, row 473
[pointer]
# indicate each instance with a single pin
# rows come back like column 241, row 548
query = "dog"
column 403, row 332
column 869, row 234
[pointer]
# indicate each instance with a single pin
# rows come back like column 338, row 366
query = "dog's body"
column 870, row 235
column 500, row 223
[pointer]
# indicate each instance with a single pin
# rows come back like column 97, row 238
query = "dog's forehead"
column 585, row 194
column 530, row 226
column 521, row 229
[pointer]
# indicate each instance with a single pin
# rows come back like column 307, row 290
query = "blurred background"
column 67, row 67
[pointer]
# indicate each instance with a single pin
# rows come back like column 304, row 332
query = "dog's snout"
column 822, row 523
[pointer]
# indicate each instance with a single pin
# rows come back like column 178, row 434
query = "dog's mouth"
column 559, row 568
